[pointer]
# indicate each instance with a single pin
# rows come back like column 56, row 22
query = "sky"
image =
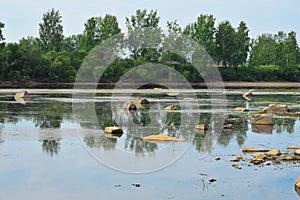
column 22, row 17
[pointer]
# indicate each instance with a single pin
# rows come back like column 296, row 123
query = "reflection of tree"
column 100, row 141
column 139, row 146
column 51, row 146
column 282, row 125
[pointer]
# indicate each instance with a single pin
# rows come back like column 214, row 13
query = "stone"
column 237, row 158
column 240, row 109
column 274, row 152
column 227, row 126
column 22, row 97
column 113, row 130
column 172, row 93
column 172, row 107
column 188, row 99
column 290, row 158
column 252, row 150
column 248, row 95
column 297, row 152
column 292, row 147
column 202, row 127
column 141, row 101
column 275, row 108
column 233, row 119
column 161, row 137
column 262, row 119
column 211, row 180
column 258, row 159
column 236, row 166
column 217, row 158
column 129, row 106
column 297, row 185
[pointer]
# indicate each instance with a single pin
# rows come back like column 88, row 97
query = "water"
column 49, row 152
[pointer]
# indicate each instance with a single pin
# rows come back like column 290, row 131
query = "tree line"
column 55, row 57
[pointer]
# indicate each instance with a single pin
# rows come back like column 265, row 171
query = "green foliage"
column 51, row 31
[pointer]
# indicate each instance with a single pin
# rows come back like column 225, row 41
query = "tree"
column 203, row 31
column 263, row 50
column 71, row 43
column 291, row 49
column 142, row 31
column 97, row 30
column 51, row 31
column 225, row 36
column 1, row 35
column 241, row 44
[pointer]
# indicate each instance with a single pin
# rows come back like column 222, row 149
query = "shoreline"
column 227, row 84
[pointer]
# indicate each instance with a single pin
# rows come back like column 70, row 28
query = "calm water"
column 49, row 152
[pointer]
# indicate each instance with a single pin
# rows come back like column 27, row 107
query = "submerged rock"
column 162, row 137
column 262, row 119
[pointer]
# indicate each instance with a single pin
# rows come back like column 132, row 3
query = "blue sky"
column 21, row 17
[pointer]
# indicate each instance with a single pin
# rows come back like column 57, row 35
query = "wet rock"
column 297, row 152
column 172, row 107
column 114, row 130
column 211, row 180
column 202, row 127
column 275, row 108
column 274, row 152
column 141, row 101
column 136, row 185
column 236, row 166
column 258, row 159
column 253, row 150
column 290, row 158
column 297, row 185
column 130, row 106
column 292, row 147
column 237, row 158
column 240, row 109
column 227, row 126
column 161, row 137
column 262, row 119
column 22, row 97
column 248, row 95
column 262, row 129
column 217, row 158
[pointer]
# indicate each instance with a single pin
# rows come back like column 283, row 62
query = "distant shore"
column 227, row 84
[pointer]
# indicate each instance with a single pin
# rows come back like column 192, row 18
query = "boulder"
column 161, row 137
column 240, row 109
column 273, row 152
column 141, row 101
column 297, row 185
column 275, row 108
column 172, row 107
column 130, row 106
column 248, row 149
column 114, row 130
column 297, row 152
column 202, row 126
column 258, row 159
column 262, row 119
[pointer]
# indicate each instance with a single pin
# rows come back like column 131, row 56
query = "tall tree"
column 51, row 31
column 203, row 31
column 225, row 43
column 241, row 44
column 291, row 49
column 1, row 35
column 143, row 30
column 98, row 29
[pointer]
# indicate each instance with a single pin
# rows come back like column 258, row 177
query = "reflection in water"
column 48, row 115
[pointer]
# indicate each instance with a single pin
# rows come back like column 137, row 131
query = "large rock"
column 273, row 152
column 297, row 185
column 262, row 119
column 275, row 108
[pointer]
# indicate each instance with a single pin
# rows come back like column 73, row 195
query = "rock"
column 297, row 152
column 262, row 129
column 129, row 106
column 161, row 137
column 292, row 147
column 202, row 127
column 114, row 135
column 172, row 93
column 227, row 126
column 275, row 108
column 258, row 159
column 236, row 166
column 233, row 119
column 22, row 97
column 274, row 152
column 237, row 158
column 297, row 185
column 136, row 185
column 188, row 99
column 262, row 119
column 141, row 101
column 248, row 95
column 172, row 107
column 211, row 180
column 217, row 158
column 253, row 150
column 113, row 130
column 241, row 109
column 290, row 158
